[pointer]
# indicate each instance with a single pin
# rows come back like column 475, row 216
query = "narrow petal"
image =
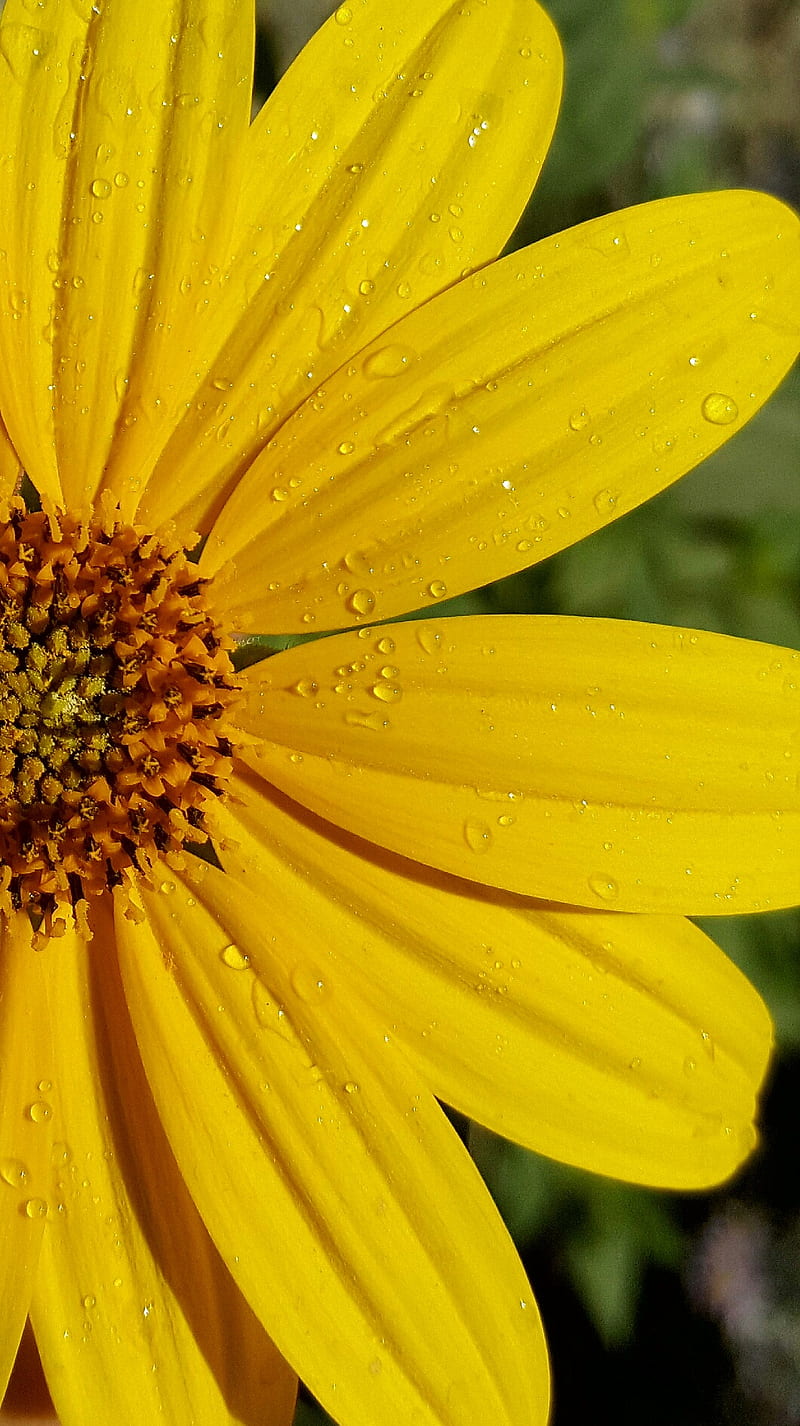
column 25, row 1130
column 115, row 200
column 516, row 413
column 10, row 464
column 588, row 761
column 396, row 155
column 136, row 1316
column 326, row 1172
column 628, row 1045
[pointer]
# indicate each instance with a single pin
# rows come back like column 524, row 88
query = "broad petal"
column 117, row 207
column 396, row 154
column 516, row 413
column 341, row 1197
column 136, row 1316
column 628, row 1045
column 25, row 1130
column 588, row 761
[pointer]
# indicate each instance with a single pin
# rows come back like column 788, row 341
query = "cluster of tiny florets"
column 114, row 691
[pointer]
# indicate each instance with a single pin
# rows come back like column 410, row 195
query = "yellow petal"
column 516, row 413
column 25, row 1130
column 397, row 154
column 628, row 1045
column 589, row 761
column 136, row 1317
column 124, row 128
column 10, row 464
column 329, row 1177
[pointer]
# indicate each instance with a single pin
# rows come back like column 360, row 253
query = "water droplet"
column 306, row 688
column 44, row 1086
column 167, row 888
column 429, row 640
column 345, row 448
column 386, row 646
column 390, row 360
column 306, row 982
column 355, row 718
column 719, row 409
column 387, row 692
column 100, row 187
column 604, row 886
column 605, row 501
column 40, row 1111
column 343, row 15
column 89, row 1301
column 351, row 1087
column 437, row 589
column 121, row 180
column 708, row 1044
column 233, row 957
column 403, row 289
column 36, row 1208
column 689, row 1065
column 477, row 835
column 579, row 420
column 14, row 1172
column 361, row 601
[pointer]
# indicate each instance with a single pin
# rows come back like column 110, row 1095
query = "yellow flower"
column 217, row 1100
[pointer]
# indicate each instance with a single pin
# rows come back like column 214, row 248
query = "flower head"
column 254, row 919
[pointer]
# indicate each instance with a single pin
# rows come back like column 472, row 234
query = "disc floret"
column 115, row 690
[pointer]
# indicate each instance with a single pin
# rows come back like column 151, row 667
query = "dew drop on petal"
column 604, row 886
column 387, row 692
column 605, row 501
column 13, row 1172
column 429, row 640
column 234, row 958
column 361, row 601
column 579, row 420
column 390, row 360
column 719, row 409
column 40, row 1111
column 437, row 589
column 36, row 1208
column 477, row 835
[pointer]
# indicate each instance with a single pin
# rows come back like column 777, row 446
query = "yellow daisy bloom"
column 252, row 923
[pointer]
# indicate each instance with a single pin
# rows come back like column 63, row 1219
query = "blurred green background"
column 678, row 1311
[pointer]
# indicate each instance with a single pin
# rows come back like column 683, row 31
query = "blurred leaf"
column 626, row 1230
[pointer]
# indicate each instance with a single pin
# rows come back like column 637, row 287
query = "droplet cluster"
column 115, row 688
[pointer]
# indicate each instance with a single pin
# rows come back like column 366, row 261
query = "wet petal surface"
column 594, row 762
column 515, row 414
column 136, row 1316
column 343, row 1195
column 409, row 165
column 627, row 1045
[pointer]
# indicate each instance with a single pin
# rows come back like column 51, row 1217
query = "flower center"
column 115, row 687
